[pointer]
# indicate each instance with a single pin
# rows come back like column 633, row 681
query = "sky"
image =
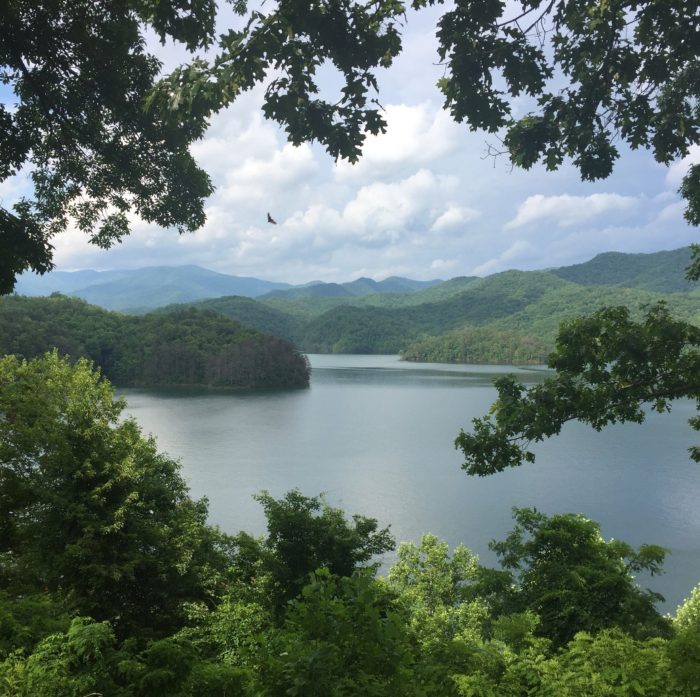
column 423, row 202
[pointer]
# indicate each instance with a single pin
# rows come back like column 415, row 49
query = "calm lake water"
column 376, row 435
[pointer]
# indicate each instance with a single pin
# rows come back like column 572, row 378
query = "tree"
column 91, row 512
column 342, row 636
column 607, row 368
column 443, row 618
column 102, row 137
column 80, row 74
column 305, row 533
column 684, row 650
column 576, row 581
column 86, row 659
column 613, row 663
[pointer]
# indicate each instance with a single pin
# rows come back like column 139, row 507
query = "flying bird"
column 270, row 219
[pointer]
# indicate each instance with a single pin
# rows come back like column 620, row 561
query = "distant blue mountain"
column 63, row 281
column 156, row 286
column 146, row 288
column 356, row 288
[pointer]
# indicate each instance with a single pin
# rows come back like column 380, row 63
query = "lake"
column 376, row 435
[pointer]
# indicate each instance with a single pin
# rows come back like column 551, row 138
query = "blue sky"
column 423, row 202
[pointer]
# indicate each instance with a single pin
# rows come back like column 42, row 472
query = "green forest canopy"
column 188, row 347
column 448, row 321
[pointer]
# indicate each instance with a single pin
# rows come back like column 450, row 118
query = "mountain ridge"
column 151, row 287
column 655, row 271
column 523, row 308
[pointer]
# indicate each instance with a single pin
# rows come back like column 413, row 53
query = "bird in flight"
column 270, row 219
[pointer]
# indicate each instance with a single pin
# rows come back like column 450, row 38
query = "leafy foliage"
column 620, row 81
column 306, row 534
column 436, row 591
column 576, row 581
column 25, row 620
column 90, row 510
column 80, row 75
column 94, row 515
column 88, row 659
column 608, row 367
column 295, row 39
column 688, row 614
column 343, row 636
column 612, row 663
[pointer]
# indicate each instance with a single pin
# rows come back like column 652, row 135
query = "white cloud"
column 265, row 179
column 454, row 216
column 581, row 245
column 679, row 169
column 416, row 135
column 672, row 213
column 235, row 136
column 566, row 210
column 516, row 253
column 383, row 210
column 15, row 187
column 444, row 266
column 420, row 203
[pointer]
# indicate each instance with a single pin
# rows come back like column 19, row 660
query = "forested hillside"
column 357, row 288
column 661, row 271
column 367, row 316
column 536, row 324
column 248, row 312
column 478, row 345
column 308, row 308
column 187, row 347
column 518, row 313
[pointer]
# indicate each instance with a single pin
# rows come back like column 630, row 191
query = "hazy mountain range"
column 510, row 304
column 143, row 289
column 157, row 286
column 520, row 308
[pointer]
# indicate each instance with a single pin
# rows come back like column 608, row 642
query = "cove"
column 376, row 435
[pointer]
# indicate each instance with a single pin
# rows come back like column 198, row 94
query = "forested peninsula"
column 189, row 347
